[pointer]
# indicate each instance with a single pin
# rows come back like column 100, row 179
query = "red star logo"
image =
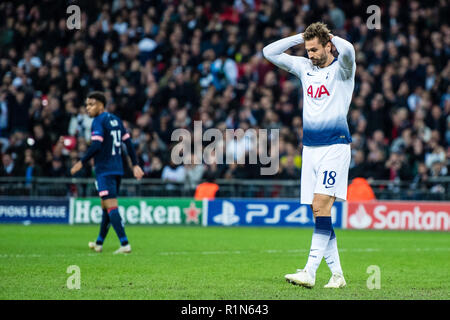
column 192, row 213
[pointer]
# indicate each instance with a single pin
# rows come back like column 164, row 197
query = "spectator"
column 360, row 190
column 155, row 169
column 32, row 170
column 447, row 133
column 289, row 170
column 173, row 173
column 207, row 190
column 80, row 124
column 213, row 170
column 224, row 71
column 435, row 153
column 376, row 168
column 237, row 171
column 358, row 166
column 420, row 182
column 9, row 167
column 398, row 168
column 4, row 118
column 436, row 120
column 57, row 168
column 292, row 151
column 438, row 170
column 403, row 144
column 193, row 173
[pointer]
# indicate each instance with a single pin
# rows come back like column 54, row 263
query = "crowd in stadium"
column 165, row 64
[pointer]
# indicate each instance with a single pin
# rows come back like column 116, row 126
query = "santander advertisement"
column 398, row 215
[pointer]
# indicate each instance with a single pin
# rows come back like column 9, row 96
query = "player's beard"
column 320, row 61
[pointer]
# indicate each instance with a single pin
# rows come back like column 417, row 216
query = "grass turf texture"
column 216, row 263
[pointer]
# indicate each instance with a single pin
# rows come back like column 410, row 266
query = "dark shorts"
column 108, row 186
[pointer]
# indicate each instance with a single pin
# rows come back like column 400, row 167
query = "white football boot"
column 336, row 281
column 96, row 247
column 302, row 278
column 123, row 249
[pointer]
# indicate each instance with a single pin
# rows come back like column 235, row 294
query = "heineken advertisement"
column 146, row 211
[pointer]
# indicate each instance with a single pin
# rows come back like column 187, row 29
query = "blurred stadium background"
column 164, row 64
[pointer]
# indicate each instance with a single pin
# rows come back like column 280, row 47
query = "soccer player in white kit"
column 328, row 84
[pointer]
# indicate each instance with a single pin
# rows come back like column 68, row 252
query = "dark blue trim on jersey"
column 323, row 137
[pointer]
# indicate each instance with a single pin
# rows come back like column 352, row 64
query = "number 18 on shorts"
column 325, row 171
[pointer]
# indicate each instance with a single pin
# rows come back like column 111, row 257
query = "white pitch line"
column 270, row 251
column 225, row 252
column 275, row 251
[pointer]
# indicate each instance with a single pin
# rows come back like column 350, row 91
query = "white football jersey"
column 327, row 92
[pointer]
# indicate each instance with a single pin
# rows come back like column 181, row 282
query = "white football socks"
column 331, row 256
column 318, row 246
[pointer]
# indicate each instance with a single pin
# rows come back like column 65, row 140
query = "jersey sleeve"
column 97, row 131
column 274, row 52
column 125, row 134
column 126, row 138
column 346, row 58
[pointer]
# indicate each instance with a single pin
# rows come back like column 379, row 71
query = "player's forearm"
column 274, row 52
column 93, row 149
column 346, row 51
column 279, row 46
column 131, row 152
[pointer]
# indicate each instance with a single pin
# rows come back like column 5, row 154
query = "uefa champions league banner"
column 261, row 212
column 141, row 211
column 34, row 211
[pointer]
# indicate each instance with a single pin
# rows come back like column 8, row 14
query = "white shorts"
column 325, row 171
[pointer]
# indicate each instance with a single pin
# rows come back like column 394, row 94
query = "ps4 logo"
column 251, row 213
column 227, row 217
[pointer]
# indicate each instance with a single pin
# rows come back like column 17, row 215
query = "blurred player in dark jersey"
column 108, row 134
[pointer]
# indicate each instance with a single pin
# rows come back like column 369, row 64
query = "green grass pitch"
column 193, row 263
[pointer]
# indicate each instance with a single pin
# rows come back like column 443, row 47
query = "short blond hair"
column 319, row 30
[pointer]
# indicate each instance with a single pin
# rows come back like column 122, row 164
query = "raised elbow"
column 264, row 52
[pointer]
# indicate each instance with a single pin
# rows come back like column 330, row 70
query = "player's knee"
column 317, row 212
column 110, row 203
column 315, row 208
column 320, row 210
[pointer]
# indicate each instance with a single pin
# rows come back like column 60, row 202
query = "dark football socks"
column 116, row 222
column 104, row 227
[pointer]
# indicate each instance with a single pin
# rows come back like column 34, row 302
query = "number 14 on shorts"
column 329, row 178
